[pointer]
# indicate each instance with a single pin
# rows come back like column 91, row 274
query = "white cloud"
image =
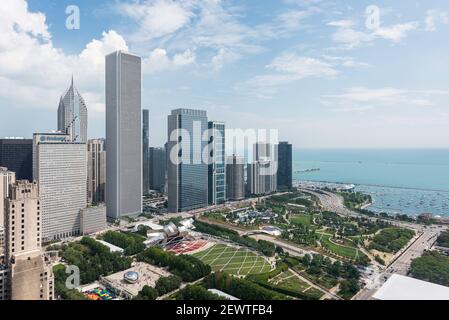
column 349, row 37
column 212, row 25
column 34, row 73
column 388, row 96
column 348, row 62
column 158, row 60
column 302, row 67
column 157, row 18
column 397, row 32
column 433, row 17
column 223, row 57
column 287, row 68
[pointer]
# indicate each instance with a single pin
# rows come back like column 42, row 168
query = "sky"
column 325, row 74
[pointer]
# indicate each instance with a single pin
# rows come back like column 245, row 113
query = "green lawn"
column 303, row 219
column 289, row 281
column 344, row 251
column 234, row 261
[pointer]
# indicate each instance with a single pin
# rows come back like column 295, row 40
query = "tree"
column 147, row 293
column 165, row 285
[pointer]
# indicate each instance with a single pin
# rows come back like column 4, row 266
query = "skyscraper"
column 30, row 276
column 217, row 170
column 6, row 179
column 123, row 135
column 262, row 172
column 158, row 168
column 146, row 150
column 235, row 178
column 60, row 168
column 187, row 172
column 72, row 115
column 96, row 171
column 284, row 174
column 16, row 154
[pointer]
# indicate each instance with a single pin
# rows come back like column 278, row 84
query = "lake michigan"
column 408, row 181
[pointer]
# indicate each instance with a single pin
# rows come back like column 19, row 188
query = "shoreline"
column 371, row 185
column 384, row 207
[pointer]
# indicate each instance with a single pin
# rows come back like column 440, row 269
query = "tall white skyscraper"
column 72, row 115
column 60, row 168
column 123, row 134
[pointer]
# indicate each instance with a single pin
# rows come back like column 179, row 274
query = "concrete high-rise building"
column 123, row 135
column 60, row 168
column 96, row 171
column 6, row 179
column 93, row 219
column 146, row 150
column 217, row 165
column 187, row 172
column 235, row 178
column 30, row 275
column 284, row 173
column 16, row 154
column 261, row 178
column 158, row 169
column 72, row 115
column 262, row 172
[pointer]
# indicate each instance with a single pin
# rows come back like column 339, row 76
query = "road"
column 335, row 203
column 291, row 249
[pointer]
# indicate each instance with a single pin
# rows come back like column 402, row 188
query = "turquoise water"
column 400, row 181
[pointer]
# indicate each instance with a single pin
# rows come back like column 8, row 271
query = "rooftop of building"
column 143, row 274
column 400, row 287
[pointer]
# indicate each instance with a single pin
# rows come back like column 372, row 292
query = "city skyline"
column 338, row 83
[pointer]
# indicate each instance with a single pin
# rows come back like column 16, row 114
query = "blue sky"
column 312, row 69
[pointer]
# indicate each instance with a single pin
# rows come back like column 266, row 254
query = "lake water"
column 400, row 181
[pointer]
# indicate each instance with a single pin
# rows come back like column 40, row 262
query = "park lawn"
column 288, row 281
column 302, row 219
column 344, row 251
column 232, row 260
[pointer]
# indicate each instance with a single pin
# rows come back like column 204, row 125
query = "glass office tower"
column 284, row 174
column 217, row 165
column 187, row 172
column 146, row 151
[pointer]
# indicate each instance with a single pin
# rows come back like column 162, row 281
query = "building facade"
column 158, row 168
column 7, row 178
column 96, row 171
column 93, row 219
column 217, row 163
column 30, row 274
column 123, row 135
column 146, row 151
column 72, row 115
column 16, row 154
column 60, row 168
column 262, row 172
column 235, row 178
column 262, row 179
column 285, row 170
column 187, row 172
